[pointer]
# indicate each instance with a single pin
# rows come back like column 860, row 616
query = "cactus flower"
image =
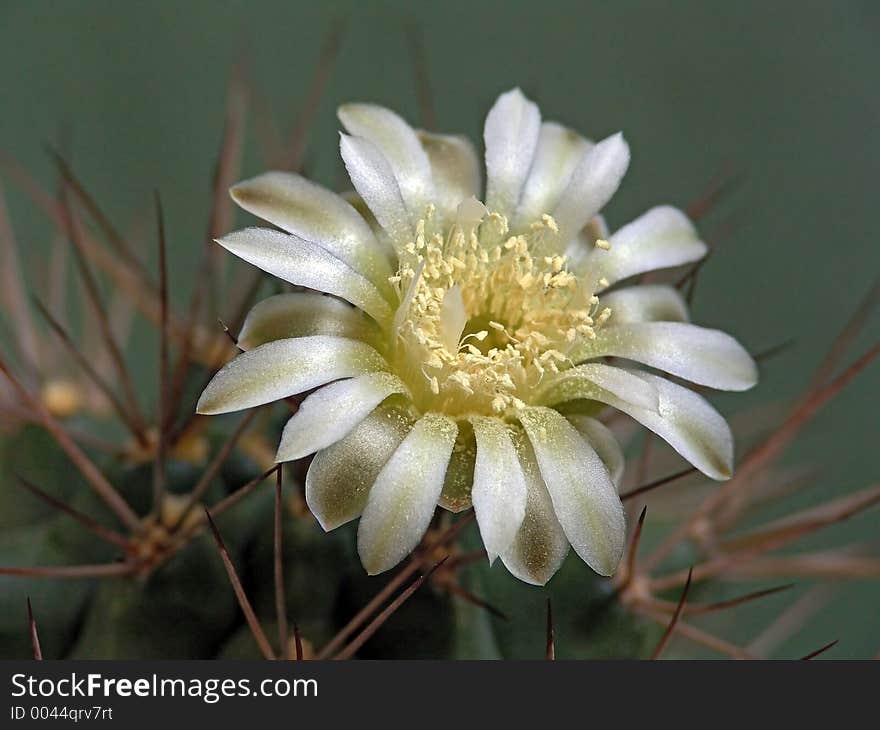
column 460, row 342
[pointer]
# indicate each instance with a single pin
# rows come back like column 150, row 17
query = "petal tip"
column 618, row 141
column 749, row 377
column 288, row 452
column 325, row 526
column 243, row 194
column 609, row 561
column 374, row 566
column 212, row 404
column 205, row 407
column 344, row 112
column 606, row 570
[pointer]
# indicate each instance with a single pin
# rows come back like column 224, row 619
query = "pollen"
column 486, row 313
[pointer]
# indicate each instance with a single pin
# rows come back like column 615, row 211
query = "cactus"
column 106, row 511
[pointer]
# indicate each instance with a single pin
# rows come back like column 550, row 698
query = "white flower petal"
column 584, row 497
column 404, row 496
column 456, row 494
column 470, row 213
column 340, row 476
column 374, row 179
column 703, row 356
column 592, row 184
column 511, row 136
column 540, row 545
column 585, row 381
column 600, row 437
column 283, row 368
column 455, row 168
column 499, row 492
column 331, row 412
column 558, row 152
column 306, row 264
column 400, row 145
column 659, row 239
column 405, row 301
column 581, row 247
column 318, row 215
column 353, row 198
column 645, row 303
column 453, row 318
column 301, row 314
column 687, row 422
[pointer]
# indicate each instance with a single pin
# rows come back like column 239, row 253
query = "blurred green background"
column 783, row 93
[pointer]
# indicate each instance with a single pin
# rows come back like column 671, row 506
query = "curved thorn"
column 97, row 481
column 297, row 643
column 398, row 580
column 105, row 533
column 738, row 601
column 377, row 622
column 821, row 650
column 656, row 483
column 159, row 473
column 35, row 637
column 241, row 596
column 133, row 426
column 667, row 634
column 280, row 604
column 633, row 548
column 550, row 653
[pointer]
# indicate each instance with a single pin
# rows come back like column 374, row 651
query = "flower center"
column 484, row 313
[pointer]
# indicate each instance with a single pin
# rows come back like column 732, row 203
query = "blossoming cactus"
column 471, row 370
column 483, row 339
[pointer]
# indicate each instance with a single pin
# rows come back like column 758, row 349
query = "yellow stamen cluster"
column 486, row 314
